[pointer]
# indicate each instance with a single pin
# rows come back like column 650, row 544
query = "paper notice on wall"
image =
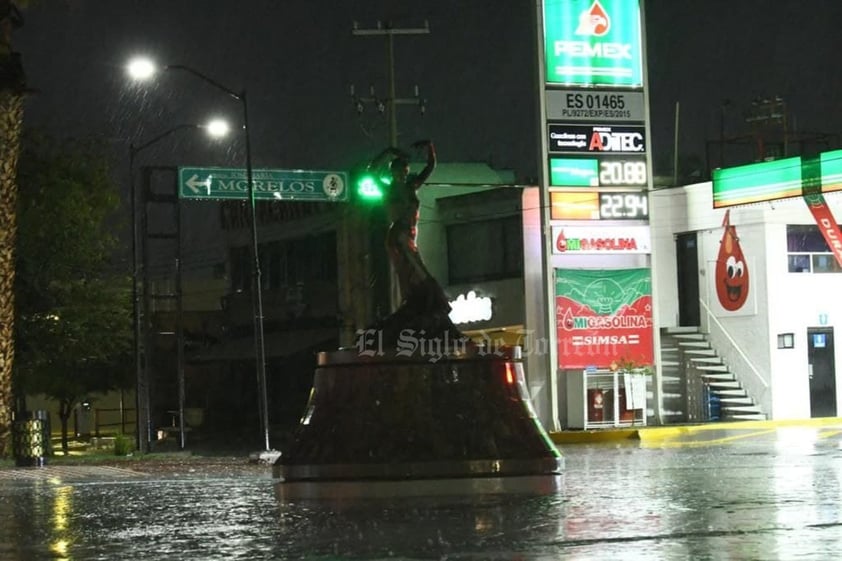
column 635, row 385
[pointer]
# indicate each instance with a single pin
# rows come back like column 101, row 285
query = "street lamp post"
column 143, row 68
column 143, row 414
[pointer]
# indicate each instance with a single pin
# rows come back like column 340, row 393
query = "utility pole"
column 390, row 102
column 765, row 114
column 365, row 307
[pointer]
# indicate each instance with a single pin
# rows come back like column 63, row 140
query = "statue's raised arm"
column 425, row 173
column 387, row 156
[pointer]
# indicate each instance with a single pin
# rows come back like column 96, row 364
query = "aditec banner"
column 603, row 316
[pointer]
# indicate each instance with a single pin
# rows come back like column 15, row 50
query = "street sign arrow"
column 194, row 183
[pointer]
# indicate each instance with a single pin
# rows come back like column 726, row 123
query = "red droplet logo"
column 567, row 320
column 732, row 278
column 561, row 242
column 594, row 21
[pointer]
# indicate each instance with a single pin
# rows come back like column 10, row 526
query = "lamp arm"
column 205, row 78
column 135, row 149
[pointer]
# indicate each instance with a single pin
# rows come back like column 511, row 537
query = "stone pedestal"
column 391, row 415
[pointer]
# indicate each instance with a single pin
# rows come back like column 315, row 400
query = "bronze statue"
column 424, row 303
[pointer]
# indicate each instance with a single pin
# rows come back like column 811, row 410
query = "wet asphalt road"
column 754, row 495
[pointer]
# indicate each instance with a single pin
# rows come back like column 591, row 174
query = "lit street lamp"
column 216, row 128
column 143, row 68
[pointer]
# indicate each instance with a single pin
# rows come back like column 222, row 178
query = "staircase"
column 697, row 386
column 673, row 388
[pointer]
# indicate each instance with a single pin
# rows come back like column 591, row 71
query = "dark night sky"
column 475, row 68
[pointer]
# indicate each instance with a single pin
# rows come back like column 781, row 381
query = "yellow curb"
column 751, row 425
column 662, row 433
column 601, row 435
column 673, row 443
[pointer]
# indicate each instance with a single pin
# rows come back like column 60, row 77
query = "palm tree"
column 12, row 87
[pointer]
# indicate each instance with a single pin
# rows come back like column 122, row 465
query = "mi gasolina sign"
column 593, row 43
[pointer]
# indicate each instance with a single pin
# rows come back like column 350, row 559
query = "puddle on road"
column 614, row 503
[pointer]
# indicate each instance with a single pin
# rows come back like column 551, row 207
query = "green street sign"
column 269, row 184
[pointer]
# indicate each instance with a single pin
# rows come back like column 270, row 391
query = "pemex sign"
column 269, row 184
column 593, row 43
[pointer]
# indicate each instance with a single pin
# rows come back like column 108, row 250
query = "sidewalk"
column 672, row 433
column 68, row 472
column 100, row 466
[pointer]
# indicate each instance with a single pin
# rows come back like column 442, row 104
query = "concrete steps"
column 737, row 400
column 694, row 351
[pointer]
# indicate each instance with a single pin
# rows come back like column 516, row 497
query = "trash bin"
column 31, row 438
column 712, row 405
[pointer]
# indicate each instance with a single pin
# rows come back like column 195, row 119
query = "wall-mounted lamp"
column 786, row 340
column 469, row 308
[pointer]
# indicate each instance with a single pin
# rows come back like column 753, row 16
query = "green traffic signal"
column 368, row 188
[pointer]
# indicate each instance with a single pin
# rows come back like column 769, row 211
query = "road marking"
column 699, row 443
column 829, row 433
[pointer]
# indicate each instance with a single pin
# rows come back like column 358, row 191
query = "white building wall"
column 432, row 230
column 539, row 370
column 789, row 380
column 668, row 217
column 779, row 302
column 740, row 338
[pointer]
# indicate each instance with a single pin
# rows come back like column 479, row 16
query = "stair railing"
column 763, row 384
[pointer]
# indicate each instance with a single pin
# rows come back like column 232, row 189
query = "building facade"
column 780, row 342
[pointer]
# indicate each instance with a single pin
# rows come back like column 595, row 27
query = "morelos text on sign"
column 269, row 184
column 614, row 139
column 595, row 106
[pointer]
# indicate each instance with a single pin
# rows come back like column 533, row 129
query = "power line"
column 391, row 101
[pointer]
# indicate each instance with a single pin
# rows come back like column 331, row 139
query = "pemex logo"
column 594, row 21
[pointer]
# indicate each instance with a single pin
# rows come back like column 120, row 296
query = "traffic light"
column 368, row 187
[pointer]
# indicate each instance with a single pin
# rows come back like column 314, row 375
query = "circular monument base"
column 345, row 491
column 449, row 413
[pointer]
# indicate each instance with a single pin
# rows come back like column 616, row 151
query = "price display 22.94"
column 623, row 206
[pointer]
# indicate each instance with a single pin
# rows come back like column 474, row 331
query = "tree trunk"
column 12, row 87
column 11, row 121
column 65, row 408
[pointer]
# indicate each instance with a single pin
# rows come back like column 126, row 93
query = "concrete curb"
column 670, row 432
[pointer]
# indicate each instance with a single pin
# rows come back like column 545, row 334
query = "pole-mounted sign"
column 269, row 184
column 593, row 43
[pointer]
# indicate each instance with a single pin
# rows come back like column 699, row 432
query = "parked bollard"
column 31, row 438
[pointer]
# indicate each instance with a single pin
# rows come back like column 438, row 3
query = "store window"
column 485, row 250
column 808, row 252
column 273, row 265
column 241, row 269
column 311, row 259
column 286, row 262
